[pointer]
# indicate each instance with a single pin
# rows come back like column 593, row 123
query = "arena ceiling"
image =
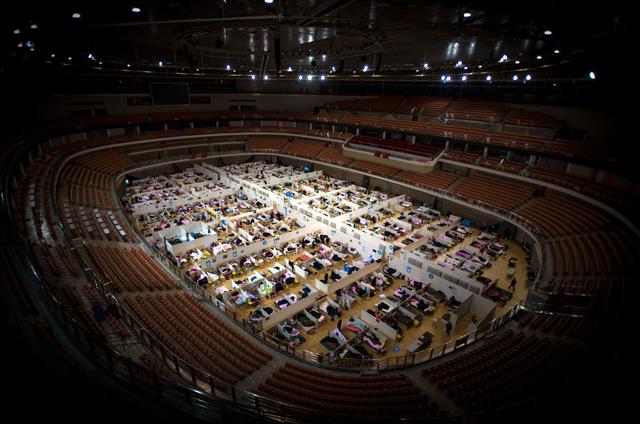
column 332, row 39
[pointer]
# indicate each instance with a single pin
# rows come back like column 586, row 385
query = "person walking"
column 512, row 286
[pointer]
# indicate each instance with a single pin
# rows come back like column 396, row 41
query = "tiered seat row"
column 501, row 371
column 559, row 216
column 436, row 179
column 399, row 146
column 386, row 104
column 475, row 110
column 266, row 144
column 374, row 168
column 530, row 118
column 518, row 141
column 333, row 155
column 361, row 396
column 460, row 156
column 303, row 147
column 495, row 192
column 130, row 269
column 109, row 162
column 502, row 164
column 572, row 148
column 559, row 325
column 184, row 325
column 81, row 309
column 427, row 106
column 556, row 177
column 343, row 104
column 439, row 129
column 574, row 286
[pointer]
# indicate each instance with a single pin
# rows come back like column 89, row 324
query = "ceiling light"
column 365, row 68
column 20, row 44
column 333, row 68
column 90, row 56
column 69, row 58
column 459, row 64
column 16, row 31
column 442, row 78
column 488, row 77
column 310, row 77
column 76, row 15
column 517, row 62
column 253, row 77
column 425, row 66
column 266, row 77
column 135, row 9
column 592, row 75
column 299, row 77
column 528, row 77
column 548, row 32
column 515, row 78
column 324, row 57
column 160, row 64
column 322, row 77
column 289, row 69
column 34, row 26
column 448, row 78
column 479, row 66
column 465, row 68
column 466, row 14
column 504, row 58
column 539, row 57
column 128, row 65
column 556, row 51
column 464, row 78
column 228, row 67
column 53, row 55
column 268, row 1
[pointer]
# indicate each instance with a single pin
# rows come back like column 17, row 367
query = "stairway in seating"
column 444, row 111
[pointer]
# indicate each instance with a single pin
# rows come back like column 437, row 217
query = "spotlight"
column 135, row 9
column 528, row 77
column 161, row 64
column 253, row 77
column 266, row 77
column 466, row 14
column 16, row 31
column 365, row 68
column 556, row 51
column 592, row 75
column 464, row 78
column 228, row 67
column 289, row 69
column 299, row 77
column 539, row 57
column 309, row 77
column 488, row 77
column 515, row 78
column 76, row 15
column 548, row 32
column 34, row 26
column 322, row 77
